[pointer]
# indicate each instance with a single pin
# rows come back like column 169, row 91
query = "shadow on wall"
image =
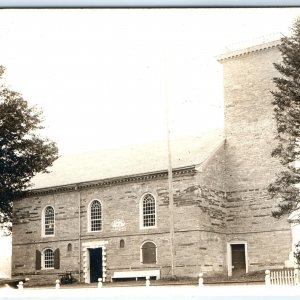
column 5, row 257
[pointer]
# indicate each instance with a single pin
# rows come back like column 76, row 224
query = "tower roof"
column 230, row 54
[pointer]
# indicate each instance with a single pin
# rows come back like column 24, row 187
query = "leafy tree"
column 297, row 253
column 23, row 152
column 287, row 115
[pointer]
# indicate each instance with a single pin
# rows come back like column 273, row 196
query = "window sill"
column 148, row 227
column 95, row 231
column 48, row 235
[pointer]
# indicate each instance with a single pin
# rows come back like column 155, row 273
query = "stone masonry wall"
column 249, row 168
column 27, row 236
column 212, row 171
column 199, row 219
column 23, row 264
column 249, row 121
column 249, row 219
column 266, row 250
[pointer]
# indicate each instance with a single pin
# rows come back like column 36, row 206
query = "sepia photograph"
column 149, row 153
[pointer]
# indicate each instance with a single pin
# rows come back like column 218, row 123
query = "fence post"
column 99, row 283
column 200, row 279
column 20, row 285
column 267, row 277
column 296, row 276
column 57, row 284
column 147, row 281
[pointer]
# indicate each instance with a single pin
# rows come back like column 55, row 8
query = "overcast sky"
column 102, row 76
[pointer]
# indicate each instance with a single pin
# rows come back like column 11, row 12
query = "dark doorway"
column 95, row 264
column 238, row 259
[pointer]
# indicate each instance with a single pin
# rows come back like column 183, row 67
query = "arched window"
column 122, row 244
column 95, row 216
column 48, row 259
column 148, row 211
column 148, row 253
column 69, row 247
column 48, row 221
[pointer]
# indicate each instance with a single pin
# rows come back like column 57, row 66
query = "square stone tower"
column 250, row 131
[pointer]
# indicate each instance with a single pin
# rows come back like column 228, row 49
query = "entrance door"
column 95, row 264
column 238, row 259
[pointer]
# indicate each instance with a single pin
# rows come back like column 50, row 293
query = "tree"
column 286, row 103
column 23, row 152
column 297, row 253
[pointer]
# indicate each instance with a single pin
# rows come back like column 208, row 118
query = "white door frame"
column 229, row 255
column 86, row 258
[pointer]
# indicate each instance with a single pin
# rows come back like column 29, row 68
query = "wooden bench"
column 136, row 274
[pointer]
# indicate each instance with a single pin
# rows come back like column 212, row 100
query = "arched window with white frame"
column 95, row 216
column 48, row 221
column 148, row 211
column 48, row 259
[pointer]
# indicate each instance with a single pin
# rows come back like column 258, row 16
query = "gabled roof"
column 131, row 160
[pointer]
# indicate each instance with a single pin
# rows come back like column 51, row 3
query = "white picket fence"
column 282, row 277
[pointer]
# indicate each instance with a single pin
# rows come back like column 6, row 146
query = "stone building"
column 107, row 215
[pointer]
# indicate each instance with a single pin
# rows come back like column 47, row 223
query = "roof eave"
column 181, row 171
column 248, row 50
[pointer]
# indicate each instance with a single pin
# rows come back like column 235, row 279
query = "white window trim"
column 229, row 255
column 89, row 229
column 43, row 259
column 43, row 222
column 141, row 253
column 142, row 212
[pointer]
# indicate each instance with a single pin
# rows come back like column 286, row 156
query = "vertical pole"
column 99, row 283
column 296, row 276
column 267, row 277
column 200, row 279
column 20, row 285
column 147, row 281
column 170, row 174
column 57, row 284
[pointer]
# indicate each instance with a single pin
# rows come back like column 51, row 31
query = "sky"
column 103, row 76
